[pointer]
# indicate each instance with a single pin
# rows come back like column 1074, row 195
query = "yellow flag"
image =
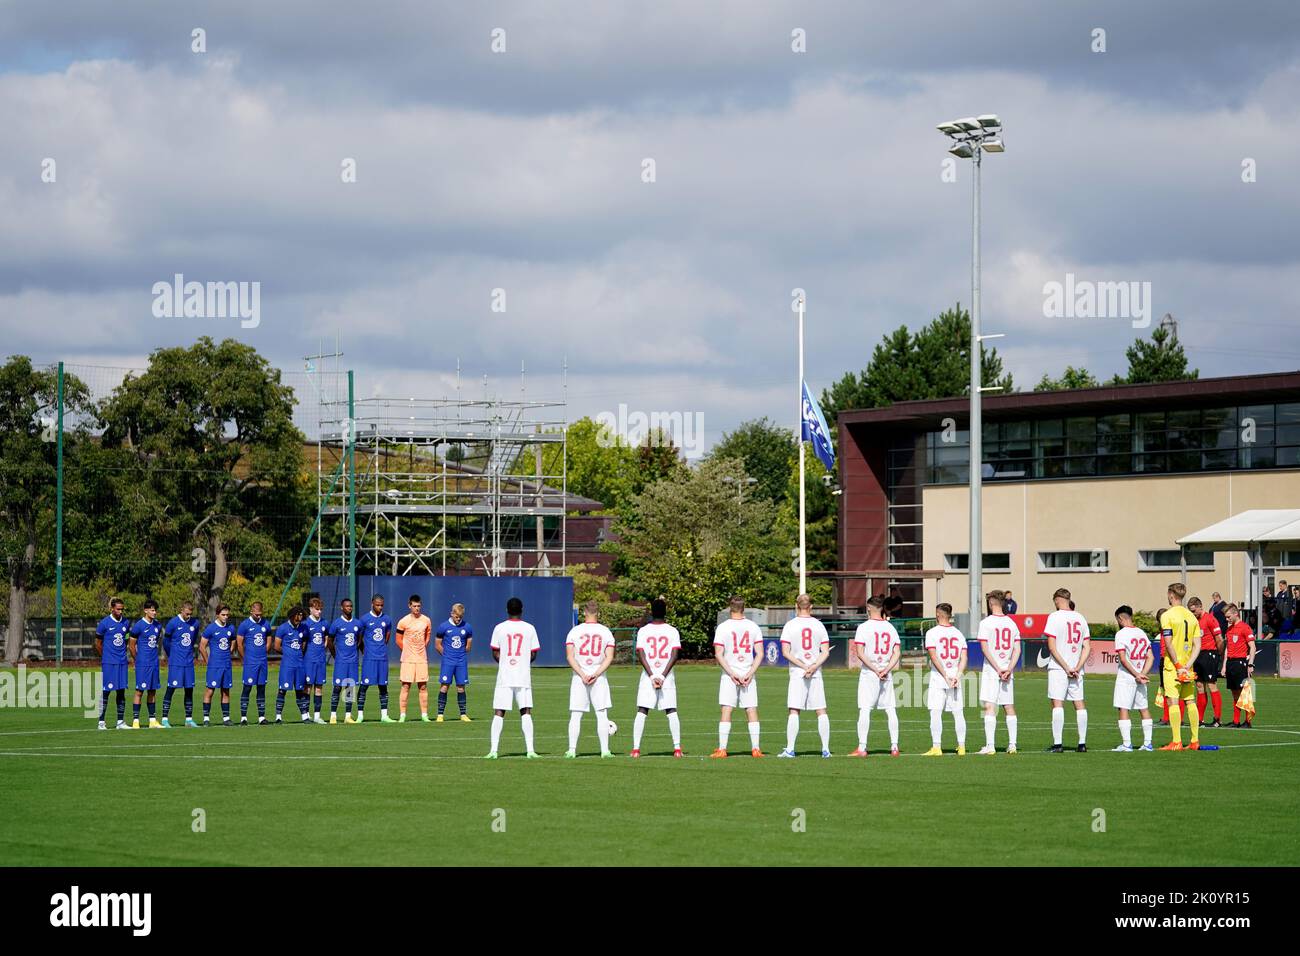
column 1247, row 700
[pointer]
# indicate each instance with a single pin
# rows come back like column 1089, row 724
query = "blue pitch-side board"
column 548, row 606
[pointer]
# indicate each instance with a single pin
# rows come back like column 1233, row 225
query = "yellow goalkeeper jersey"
column 1184, row 636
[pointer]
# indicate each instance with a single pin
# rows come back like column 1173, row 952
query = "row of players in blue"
column 359, row 647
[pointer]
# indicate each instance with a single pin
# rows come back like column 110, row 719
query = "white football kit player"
column 1129, row 694
column 802, row 640
column 948, row 643
column 999, row 638
column 877, row 642
column 657, row 643
column 741, row 642
column 589, row 644
column 1070, row 629
column 516, row 640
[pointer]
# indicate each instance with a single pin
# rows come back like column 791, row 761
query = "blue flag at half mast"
column 815, row 430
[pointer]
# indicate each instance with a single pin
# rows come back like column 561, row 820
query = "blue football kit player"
column 290, row 644
column 180, row 637
column 453, row 642
column 217, row 645
column 146, row 639
column 110, row 644
column 316, row 633
column 344, row 644
column 376, row 629
column 252, row 639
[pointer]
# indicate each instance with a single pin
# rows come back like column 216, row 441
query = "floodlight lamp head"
column 989, row 121
column 962, row 151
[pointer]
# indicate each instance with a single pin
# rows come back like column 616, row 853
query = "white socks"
column 724, row 731
column 497, row 723
column 1011, row 729
column 824, row 729
column 791, row 731
column 753, row 735
column 959, row 720
column 891, row 717
column 864, row 725
column 638, row 728
column 1126, row 732
column 527, row 721
column 675, row 727
column 1081, row 718
column 990, row 729
column 936, row 727
column 1147, row 723
column 602, row 730
column 1058, row 724
column 575, row 722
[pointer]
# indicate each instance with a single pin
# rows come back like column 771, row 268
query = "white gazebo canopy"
column 1275, row 527
column 1251, row 532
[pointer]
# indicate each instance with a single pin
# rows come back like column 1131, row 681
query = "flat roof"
column 1105, row 399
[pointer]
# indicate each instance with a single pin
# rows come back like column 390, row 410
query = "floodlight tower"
column 972, row 138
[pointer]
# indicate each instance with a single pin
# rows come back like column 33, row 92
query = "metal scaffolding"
column 447, row 486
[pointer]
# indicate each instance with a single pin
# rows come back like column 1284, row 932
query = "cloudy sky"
column 522, row 170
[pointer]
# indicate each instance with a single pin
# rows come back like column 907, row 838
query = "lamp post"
column 972, row 138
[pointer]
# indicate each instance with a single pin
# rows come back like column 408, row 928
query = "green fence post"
column 58, row 528
column 352, row 494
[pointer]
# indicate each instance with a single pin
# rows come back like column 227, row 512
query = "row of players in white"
column 738, row 643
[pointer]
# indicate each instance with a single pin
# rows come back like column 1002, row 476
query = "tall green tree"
column 1161, row 359
column 1071, row 378
column 28, row 472
column 767, row 451
column 216, row 453
column 933, row 362
column 692, row 538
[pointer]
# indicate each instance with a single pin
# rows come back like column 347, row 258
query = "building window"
column 995, row 561
column 1097, row 560
column 1167, row 559
column 1174, row 441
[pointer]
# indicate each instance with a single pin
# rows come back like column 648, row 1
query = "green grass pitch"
column 422, row 794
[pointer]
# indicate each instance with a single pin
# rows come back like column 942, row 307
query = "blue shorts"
column 115, row 676
column 345, row 672
column 374, row 672
column 292, row 677
column 454, row 672
column 180, row 675
column 255, row 674
column 146, row 678
column 314, row 673
column 220, row 676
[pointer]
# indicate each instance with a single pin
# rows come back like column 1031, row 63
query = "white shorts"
column 665, row 698
column 731, row 694
column 1129, row 694
column 994, row 691
column 806, row 693
column 873, row 692
column 942, row 697
column 593, row 696
column 505, row 698
column 1062, row 687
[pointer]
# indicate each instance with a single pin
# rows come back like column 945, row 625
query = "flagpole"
column 803, row 543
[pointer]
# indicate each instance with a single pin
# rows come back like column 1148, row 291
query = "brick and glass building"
column 1087, row 489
